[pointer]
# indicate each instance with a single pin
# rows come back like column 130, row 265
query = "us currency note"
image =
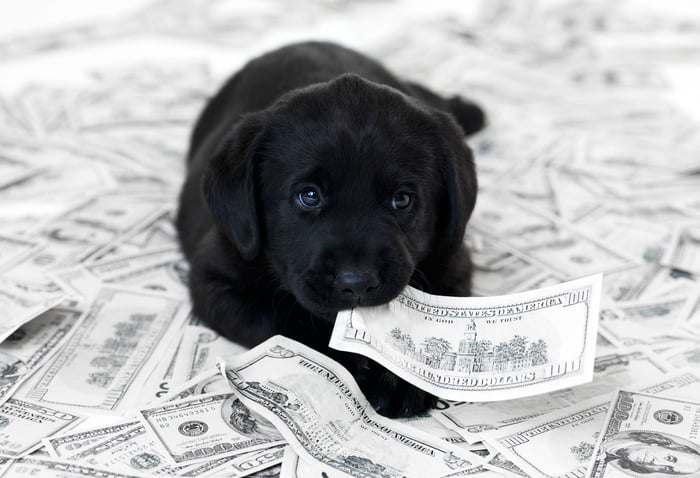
column 646, row 322
column 18, row 307
column 132, row 451
column 14, row 249
column 497, row 270
column 295, row 467
column 155, row 232
column 205, row 427
column 47, row 468
column 110, row 354
column 77, row 233
column 685, row 251
column 648, row 435
column 32, row 345
column 560, row 444
column 611, row 371
column 239, row 465
column 319, row 409
column 64, row 445
column 685, row 356
column 199, row 350
column 544, row 240
column 23, row 424
column 481, row 349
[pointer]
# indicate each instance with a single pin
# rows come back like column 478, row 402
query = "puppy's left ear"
column 230, row 185
column 459, row 179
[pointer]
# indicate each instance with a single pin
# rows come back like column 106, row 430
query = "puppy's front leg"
column 389, row 394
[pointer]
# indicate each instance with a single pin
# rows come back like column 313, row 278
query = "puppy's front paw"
column 394, row 397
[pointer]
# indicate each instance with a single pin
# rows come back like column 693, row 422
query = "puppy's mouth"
column 326, row 299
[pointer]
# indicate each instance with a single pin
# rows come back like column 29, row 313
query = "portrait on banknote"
column 247, row 423
column 652, row 453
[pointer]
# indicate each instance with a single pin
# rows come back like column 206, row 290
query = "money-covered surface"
column 320, row 410
column 648, row 435
column 612, row 371
column 589, row 165
column 481, row 348
column 46, row 468
column 560, row 444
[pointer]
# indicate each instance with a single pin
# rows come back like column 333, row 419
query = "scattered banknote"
column 110, row 353
column 647, row 434
column 646, row 322
column 34, row 344
column 47, row 468
column 481, row 349
column 239, row 465
column 318, row 407
column 131, row 451
column 23, row 424
column 65, row 445
column 206, row 427
column 19, row 307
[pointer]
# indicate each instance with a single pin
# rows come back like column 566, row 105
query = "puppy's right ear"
column 229, row 185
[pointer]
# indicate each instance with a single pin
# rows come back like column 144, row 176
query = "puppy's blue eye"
column 401, row 200
column 309, row 198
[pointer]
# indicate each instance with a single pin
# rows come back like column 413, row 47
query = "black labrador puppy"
column 318, row 181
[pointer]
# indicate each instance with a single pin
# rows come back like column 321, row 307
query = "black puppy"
column 318, row 181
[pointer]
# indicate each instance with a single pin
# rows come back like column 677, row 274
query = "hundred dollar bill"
column 14, row 249
column 611, row 371
column 319, row 409
column 205, row 427
column 685, row 252
column 481, row 348
column 47, row 468
column 64, row 445
column 238, row 465
column 559, row 444
column 646, row 322
column 23, row 424
column 32, row 345
column 131, row 451
column 648, row 435
column 544, row 240
column 199, row 350
column 111, row 353
column 18, row 307
column 294, row 467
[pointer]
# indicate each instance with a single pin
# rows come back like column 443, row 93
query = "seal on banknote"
column 193, row 428
column 145, row 461
column 668, row 417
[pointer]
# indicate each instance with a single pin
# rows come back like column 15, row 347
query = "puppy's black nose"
column 356, row 283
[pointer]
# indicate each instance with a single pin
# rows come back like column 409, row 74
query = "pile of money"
column 589, row 165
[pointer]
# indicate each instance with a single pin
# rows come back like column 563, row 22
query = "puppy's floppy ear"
column 229, row 185
column 459, row 179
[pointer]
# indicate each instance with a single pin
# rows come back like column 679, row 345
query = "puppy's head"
column 343, row 189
